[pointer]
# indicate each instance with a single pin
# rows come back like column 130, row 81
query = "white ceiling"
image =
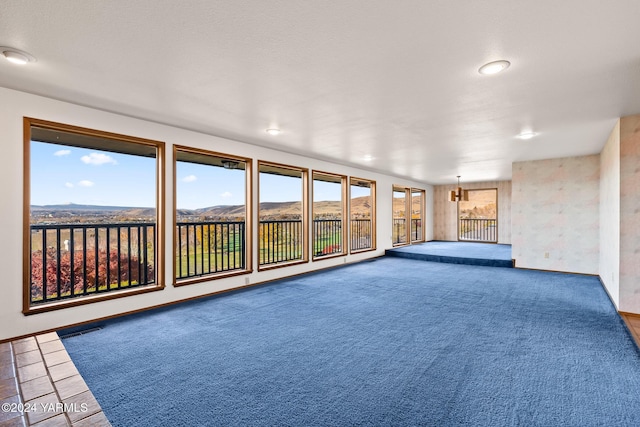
column 343, row 79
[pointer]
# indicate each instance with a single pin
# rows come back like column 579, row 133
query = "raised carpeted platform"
column 391, row 342
column 485, row 254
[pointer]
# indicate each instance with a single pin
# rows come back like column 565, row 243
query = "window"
column 417, row 215
column 362, row 208
column 329, row 211
column 400, row 231
column 93, row 211
column 478, row 217
column 282, row 214
column 212, row 227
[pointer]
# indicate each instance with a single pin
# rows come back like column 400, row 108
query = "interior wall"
column 445, row 212
column 15, row 105
column 556, row 210
column 630, row 214
column 609, row 266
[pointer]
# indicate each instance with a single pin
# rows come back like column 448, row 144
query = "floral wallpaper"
column 555, row 214
column 609, row 266
column 630, row 214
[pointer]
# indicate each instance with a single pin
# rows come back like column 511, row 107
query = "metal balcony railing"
column 327, row 237
column 361, row 234
column 478, row 230
column 73, row 260
column 280, row 241
column 416, row 230
column 209, row 247
column 399, row 232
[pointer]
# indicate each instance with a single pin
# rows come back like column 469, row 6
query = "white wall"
column 609, row 265
column 15, row 105
column 556, row 210
column 445, row 226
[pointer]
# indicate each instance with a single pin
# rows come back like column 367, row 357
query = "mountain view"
column 73, row 213
column 399, row 207
column 481, row 204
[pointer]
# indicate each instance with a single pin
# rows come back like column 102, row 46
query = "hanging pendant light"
column 460, row 195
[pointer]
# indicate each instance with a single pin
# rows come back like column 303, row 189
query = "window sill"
column 89, row 299
column 209, row 277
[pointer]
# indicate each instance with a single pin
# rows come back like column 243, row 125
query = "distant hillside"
column 481, row 204
column 359, row 206
column 73, row 213
column 215, row 211
column 398, row 205
column 327, row 208
column 138, row 212
column 74, row 207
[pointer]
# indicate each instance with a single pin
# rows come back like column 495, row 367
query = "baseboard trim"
column 606, row 291
column 557, row 271
column 623, row 317
column 626, row 317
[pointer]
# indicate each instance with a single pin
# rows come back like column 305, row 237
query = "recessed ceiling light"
column 16, row 56
column 368, row 158
column 526, row 135
column 494, row 67
column 273, row 131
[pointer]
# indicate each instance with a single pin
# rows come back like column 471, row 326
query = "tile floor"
column 40, row 386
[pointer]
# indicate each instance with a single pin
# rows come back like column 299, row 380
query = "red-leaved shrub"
column 105, row 264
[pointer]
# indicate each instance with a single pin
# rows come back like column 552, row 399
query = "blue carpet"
column 390, row 342
column 490, row 255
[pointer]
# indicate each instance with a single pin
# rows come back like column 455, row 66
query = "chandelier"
column 460, row 195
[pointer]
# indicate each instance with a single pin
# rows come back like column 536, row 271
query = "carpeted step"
column 450, row 259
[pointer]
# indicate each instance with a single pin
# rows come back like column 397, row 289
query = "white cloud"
column 68, row 185
column 85, row 183
column 189, row 178
column 98, row 159
column 60, row 153
column 226, row 195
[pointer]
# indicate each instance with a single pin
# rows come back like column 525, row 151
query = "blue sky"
column 201, row 186
column 359, row 191
column 326, row 191
column 62, row 174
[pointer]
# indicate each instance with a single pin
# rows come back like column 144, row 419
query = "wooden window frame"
column 159, row 284
column 423, row 195
column 345, row 213
column 248, row 216
column 407, row 214
column 305, row 216
column 372, row 188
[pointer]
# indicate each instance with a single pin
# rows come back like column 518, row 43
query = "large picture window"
column 212, row 212
column 362, row 208
column 478, row 216
column 92, row 215
column 329, row 211
column 282, row 213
